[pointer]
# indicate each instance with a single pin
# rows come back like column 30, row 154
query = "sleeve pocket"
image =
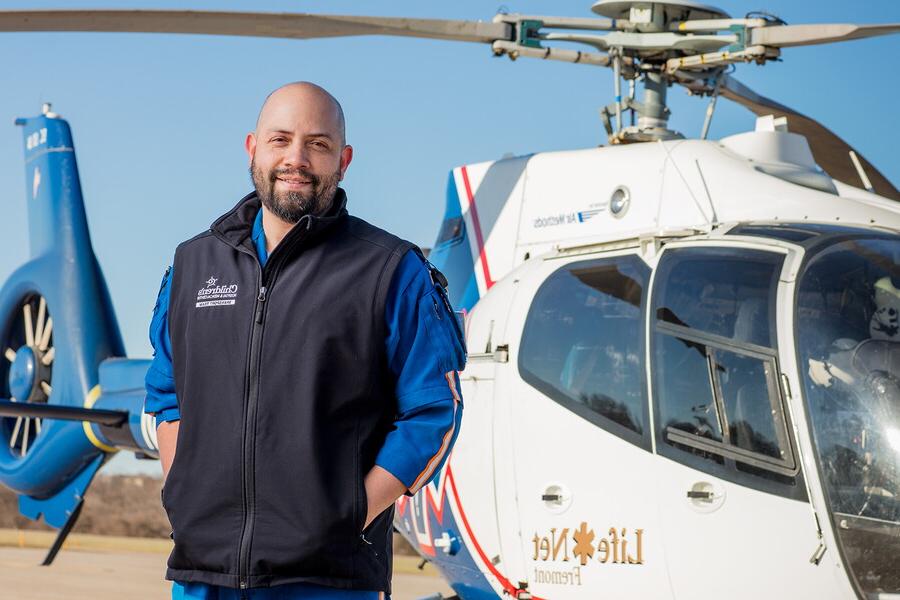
column 162, row 286
column 442, row 323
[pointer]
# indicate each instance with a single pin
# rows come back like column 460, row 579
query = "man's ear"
column 346, row 158
column 250, row 146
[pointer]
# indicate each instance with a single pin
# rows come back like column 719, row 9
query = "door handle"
column 702, row 495
column 705, row 496
column 556, row 497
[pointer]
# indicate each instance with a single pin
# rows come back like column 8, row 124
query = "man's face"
column 297, row 155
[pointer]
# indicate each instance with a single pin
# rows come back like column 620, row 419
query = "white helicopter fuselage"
column 572, row 476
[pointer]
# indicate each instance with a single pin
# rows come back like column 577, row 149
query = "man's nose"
column 297, row 156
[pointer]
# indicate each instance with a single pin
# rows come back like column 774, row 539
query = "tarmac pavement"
column 83, row 575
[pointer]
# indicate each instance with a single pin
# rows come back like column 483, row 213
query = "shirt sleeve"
column 159, row 382
column 425, row 350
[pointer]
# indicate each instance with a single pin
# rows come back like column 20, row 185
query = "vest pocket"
column 362, row 504
column 162, row 496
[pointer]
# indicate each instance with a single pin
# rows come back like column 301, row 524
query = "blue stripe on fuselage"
column 454, row 258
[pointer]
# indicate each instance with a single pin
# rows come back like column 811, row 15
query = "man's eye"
column 279, row 140
column 318, row 144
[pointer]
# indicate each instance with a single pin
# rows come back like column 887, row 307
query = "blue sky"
column 159, row 120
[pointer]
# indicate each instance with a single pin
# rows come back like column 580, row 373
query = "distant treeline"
column 126, row 505
column 123, row 505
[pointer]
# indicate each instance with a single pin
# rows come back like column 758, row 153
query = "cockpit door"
column 730, row 483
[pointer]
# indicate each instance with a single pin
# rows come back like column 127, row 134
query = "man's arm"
column 429, row 408
column 167, row 436
column 159, row 382
column 382, row 490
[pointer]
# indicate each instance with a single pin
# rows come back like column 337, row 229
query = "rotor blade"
column 39, row 326
column 45, row 335
column 109, row 418
column 275, row 25
column 785, row 36
column 25, row 437
column 48, row 357
column 29, row 330
column 15, row 432
column 830, row 151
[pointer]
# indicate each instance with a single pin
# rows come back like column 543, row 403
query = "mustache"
column 276, row 173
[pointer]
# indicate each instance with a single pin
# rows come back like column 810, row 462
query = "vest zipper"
column 267, row 276
column 260, row 298
column 248, row 462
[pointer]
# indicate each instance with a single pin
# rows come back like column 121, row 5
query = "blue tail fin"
column 56, row 218
column 55, row 311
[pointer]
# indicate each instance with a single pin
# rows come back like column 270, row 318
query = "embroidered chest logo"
column 216, row 295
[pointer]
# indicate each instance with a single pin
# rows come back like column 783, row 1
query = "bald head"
column 303, row 98
column 298, row 153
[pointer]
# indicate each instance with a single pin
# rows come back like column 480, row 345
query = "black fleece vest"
column 285, row 398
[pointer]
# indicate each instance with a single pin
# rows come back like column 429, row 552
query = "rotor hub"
column 29, row 353
column 22, row 380
column 655, row 16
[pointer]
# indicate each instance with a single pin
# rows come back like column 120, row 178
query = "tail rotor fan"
column 28, row 355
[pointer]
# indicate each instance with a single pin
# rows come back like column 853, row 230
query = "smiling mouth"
column 294, row 181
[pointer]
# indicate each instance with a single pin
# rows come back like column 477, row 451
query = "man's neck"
column 274, row 229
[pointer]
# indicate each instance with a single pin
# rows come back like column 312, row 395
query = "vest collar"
column 236, row 226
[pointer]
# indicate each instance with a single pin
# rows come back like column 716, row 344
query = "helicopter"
column 683, row 375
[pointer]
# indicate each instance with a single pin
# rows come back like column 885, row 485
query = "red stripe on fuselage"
column 479, row 238
column 509, row 587
column 438, row 510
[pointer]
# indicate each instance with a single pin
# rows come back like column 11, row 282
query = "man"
column 304, row 377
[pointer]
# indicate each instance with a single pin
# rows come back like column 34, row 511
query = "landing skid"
column 63, row 509
column 63, row 534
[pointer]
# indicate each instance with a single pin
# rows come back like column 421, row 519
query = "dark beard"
column 290, row 207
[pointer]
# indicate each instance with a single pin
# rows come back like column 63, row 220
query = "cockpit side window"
column 451, row 231
column 727, row 293
column 715, row 370
column 583, row 343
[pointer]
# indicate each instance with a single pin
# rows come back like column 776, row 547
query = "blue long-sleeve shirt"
column 429, row 407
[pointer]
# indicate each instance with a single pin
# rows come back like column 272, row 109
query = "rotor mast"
column 655, row 114
column 652, row 112
column 640, row 19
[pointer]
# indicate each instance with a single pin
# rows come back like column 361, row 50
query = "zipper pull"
column 260, row 298
column 362, row 536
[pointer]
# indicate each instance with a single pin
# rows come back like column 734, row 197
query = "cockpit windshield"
column 848, row 325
